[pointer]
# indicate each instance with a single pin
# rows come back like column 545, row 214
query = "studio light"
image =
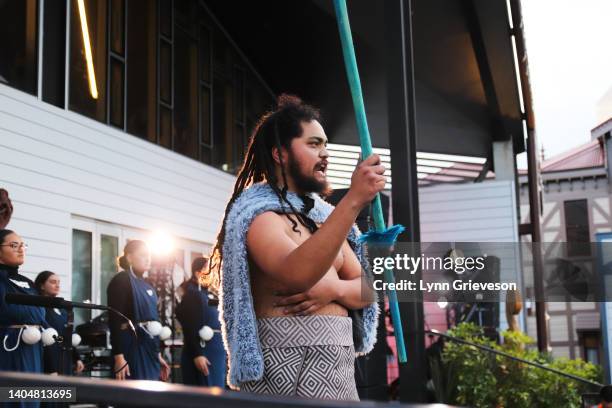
column 161, row 243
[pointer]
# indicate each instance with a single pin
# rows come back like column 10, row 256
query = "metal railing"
column 159, row 394
column 511, row 357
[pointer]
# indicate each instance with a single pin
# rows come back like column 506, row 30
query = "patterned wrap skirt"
column 307, row 356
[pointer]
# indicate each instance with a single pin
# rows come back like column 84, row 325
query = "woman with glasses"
column 20, row 326
column 136, row 357
column 48, row 284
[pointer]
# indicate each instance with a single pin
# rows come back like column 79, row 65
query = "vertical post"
column 41, row 29
column 533, row 181
column 66, row 345
column 67, row 60
column 402, row 143
column 533, row 177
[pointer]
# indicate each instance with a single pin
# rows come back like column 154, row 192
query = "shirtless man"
column 304, row 275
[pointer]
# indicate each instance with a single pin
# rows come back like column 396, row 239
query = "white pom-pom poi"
column 31, row 335
column 206, row 333
column 165, row 334
column 76, row 339
column 48, row 336
column 154, row 328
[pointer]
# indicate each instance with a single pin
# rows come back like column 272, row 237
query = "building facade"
column 576, row 209
column 119, row 118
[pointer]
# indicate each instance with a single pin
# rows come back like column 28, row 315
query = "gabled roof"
column 587, row 156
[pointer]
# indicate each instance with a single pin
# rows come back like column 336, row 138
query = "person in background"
column 606, row 397
column 202, row 362
column 21, row 348
column 48, row 284
column 136, row 358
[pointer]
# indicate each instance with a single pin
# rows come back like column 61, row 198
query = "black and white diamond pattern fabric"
column 297, row 331
column 307, row 356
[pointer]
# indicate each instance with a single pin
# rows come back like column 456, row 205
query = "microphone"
column 48, row 301
column 34, row 300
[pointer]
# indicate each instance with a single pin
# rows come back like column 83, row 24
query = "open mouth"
column 321, row 168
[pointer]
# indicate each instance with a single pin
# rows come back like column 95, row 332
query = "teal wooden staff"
column 381, row 234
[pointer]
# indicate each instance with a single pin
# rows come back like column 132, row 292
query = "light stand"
column 164, row 285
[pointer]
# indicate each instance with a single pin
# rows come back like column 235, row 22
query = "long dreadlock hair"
column 275, row 129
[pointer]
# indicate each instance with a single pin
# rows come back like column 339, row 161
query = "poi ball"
column 31, row 335
column 76, row 339
column 154, row 328
column 166, row 332
column 47, row 336
column 206, row 333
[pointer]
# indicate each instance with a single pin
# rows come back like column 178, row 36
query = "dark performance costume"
column 136, row 299
column 25, row 358
column 193, row 313
column 58, row 318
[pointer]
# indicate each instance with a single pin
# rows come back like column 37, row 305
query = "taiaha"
column 380, row 234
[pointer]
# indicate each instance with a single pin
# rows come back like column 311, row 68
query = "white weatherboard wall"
column 475, row 212
column 57, row 164
column 469, row 212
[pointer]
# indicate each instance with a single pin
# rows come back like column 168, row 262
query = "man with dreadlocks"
column 294, row 311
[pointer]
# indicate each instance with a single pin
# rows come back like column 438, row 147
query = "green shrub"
column 465, row 375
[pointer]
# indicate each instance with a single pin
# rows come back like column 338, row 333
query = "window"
column 92, row 270
column 577, row 228
column 165, row 127
column 19, row 51
column 88, row 58
column 116, row 92
column 165, row 68
column 590, row 346
column 95, row 248
column 116, row 86
column 165, row 18
column 141, row 69
column 82, row 268
column 162, row 70
column 117, row 24
column 185, row 94
column 240, row 140
column 54, row 53
column 205, row 125
column 222, row 123
column 165, row 71
column 205, row 63
column 109, row 251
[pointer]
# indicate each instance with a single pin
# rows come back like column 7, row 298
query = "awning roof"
column 467, row 91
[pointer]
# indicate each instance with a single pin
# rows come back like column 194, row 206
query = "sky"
column 569, row 48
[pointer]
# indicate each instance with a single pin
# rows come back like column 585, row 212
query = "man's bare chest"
column 299, row 234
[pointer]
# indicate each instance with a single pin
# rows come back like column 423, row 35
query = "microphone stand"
column 66, row 344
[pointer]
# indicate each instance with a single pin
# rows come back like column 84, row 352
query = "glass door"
column 108, row 238
column 83, row 232
column 96, row 245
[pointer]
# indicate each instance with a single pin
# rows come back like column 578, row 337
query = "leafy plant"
column 465, row 375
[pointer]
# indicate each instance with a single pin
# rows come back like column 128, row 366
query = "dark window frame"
column 207, row 84
column 577, row 228
column 117, row 58
column 161, row 104
column 205, row 30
